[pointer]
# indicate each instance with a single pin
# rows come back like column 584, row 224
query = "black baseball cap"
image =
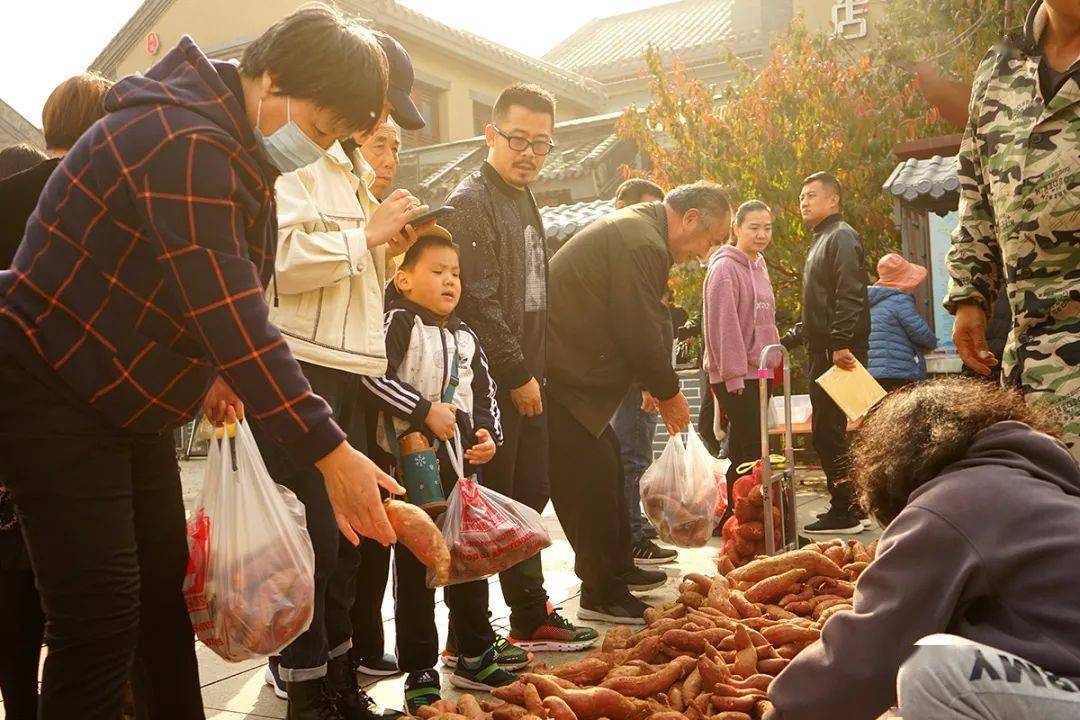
column 403, row 109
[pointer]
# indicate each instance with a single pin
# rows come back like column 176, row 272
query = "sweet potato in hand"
column 416, row 531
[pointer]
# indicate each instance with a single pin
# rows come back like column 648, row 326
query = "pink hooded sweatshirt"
column 740, row 317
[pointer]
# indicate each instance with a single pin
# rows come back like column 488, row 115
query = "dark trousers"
column 22, row 626
column 706, row 418
column 744, row 428
column 369, row 641
column 587, row 487
column 829, row 432
column 635, row 430
column 893, row 384
column 103, row 519
column 336, row 559
column 519, row 470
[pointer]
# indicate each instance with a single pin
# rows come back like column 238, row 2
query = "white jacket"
column 329, row 285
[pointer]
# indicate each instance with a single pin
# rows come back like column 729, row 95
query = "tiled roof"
column 931, row 184
column 14, row 128
column 562, row 221
column 621, row 39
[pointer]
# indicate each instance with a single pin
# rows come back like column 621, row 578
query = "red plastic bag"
column 250, row 582
column 485, row 531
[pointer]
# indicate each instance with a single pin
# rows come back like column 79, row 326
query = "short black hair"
column 828, row 180
column 631, row 191
column 528, row 96
column 315, row 54
column 414, row 253
column 706, row 197
column 16, row 158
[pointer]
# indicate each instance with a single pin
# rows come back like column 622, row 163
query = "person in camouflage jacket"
column 1019, row 167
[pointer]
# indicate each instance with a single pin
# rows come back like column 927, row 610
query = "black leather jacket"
column 835, row 310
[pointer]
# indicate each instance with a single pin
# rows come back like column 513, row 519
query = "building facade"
column 15, row 129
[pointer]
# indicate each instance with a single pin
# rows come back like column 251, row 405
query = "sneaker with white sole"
column 422, row 688
column 642, row 580
column 486, row 674
column 835, row 525
column 273, row 679
column 555, row 634
column 508, row 655
column 647, row 552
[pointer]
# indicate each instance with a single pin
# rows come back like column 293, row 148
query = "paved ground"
column 235, row 691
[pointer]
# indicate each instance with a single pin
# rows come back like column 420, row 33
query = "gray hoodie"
column 988, row 550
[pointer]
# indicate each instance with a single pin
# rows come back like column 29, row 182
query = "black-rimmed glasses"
column 518, row 143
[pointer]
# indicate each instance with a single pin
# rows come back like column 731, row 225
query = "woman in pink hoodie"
column 740, row 320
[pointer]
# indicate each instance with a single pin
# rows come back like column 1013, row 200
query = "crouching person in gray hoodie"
column 972, row 607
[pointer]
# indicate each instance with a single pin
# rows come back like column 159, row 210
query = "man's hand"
column 969, row 336
column 390, row 218
column 527, row 399
column 843, row 359
column 352, row 483
column 675, row 412
column 649, row 403
column 219, row 398
column 483, row 450
column 441, row 420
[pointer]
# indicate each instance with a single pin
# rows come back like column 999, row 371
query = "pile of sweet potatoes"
column 710, row 655
column 743, row 533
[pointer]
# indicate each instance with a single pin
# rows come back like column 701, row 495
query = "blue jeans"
column 635, row 430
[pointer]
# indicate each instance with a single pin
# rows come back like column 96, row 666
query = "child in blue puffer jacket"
column 898, row 334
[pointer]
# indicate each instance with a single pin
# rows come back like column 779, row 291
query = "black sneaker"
column 626, row 611
column 377, row 666
column 312, row 700
column 648, row 532
column 647, row 552
column 422, row 688
column 485, row 674
column 555, row 634
column 273, row 677
column 508, row 655
column 830, row 524
column 642, row 580
column 352, row 702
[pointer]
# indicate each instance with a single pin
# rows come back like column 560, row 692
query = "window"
column 481, row 117
column 427, row 99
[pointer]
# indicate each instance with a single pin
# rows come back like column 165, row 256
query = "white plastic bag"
column 679, row 492
column 250, row 583
column 485, row 531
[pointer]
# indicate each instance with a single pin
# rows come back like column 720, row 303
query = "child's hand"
column 441, row 420
column 483, row 450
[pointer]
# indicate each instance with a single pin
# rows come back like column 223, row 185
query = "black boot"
column 352, row 702
column 312, row 700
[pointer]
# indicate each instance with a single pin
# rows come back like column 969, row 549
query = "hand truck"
column 777, row 484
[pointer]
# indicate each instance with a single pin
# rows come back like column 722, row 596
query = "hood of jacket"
column 186, row 78
column 876, row 294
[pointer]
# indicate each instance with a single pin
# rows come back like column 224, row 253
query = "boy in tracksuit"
column 433, row 356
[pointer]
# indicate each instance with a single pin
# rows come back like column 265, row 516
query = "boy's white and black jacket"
column 419, row 353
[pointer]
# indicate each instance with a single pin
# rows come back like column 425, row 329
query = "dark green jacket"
column 606, row 320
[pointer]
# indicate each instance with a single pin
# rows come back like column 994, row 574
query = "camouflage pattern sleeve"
column 974, row 258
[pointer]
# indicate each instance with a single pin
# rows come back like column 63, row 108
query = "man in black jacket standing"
column 606, row 329
column 835, row 328
column 505, row 300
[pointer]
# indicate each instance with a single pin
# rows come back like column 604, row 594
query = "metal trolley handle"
column 777, row 484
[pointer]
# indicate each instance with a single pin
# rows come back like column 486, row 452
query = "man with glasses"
column 504, row 273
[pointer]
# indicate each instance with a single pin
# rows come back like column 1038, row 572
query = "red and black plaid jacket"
column 142, row 272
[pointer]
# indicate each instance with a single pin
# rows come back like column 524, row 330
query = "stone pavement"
column 233, row 691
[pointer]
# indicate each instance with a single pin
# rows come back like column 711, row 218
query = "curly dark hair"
column 914, row 433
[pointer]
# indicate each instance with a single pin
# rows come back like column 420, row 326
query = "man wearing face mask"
column 607, row 327
column 140, row 281
column 327, row 294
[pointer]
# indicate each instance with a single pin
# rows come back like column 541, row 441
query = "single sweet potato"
column 778, row 613
column 724, row 565
column 781, row 634
column 692, row 684
column 600, row 702
column 745, row 608
column 836, row 554
column 557, row 709
column 546, row 685
column 745, row 655
column 616, row 639
column 532, row 701
column 855, row 569
column 833, row 611
column 703, row 583
column 470, row 708
column 711, row 674
column 771, row 666
column 739, row 704
column 645, row 686
column 653, row 614
column 692, row 599
column 427, row 712
column 821, row 607
column 812, row 562
column 675, row 700
column 800, row 608
column 416, row 531
column 776, row 586
column 514, row 693
column 587, row 671
column 731, row 715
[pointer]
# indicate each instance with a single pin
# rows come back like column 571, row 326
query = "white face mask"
column 289, row 147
